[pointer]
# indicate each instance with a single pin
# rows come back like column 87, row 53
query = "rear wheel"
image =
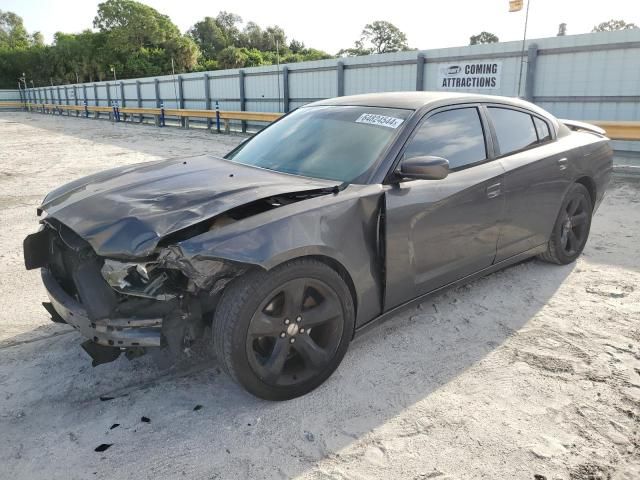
column 572, row 226
column 281, row 333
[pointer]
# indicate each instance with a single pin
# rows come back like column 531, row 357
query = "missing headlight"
column 140, row 279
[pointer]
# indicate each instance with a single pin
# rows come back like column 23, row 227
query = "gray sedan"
column 325, row 222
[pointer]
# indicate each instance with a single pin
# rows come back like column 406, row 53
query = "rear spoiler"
column 575, row 126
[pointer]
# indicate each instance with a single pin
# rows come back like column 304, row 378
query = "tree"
column 296, row 47
column 229, row 24
column 184, row 52
column 37, row 39
column 613, row 25
column 132, row 25
column 209, row 37
column 232, row 57
column 12, row 31
column 136, row 41
column 483, row 37
column 378, row 37
column 132, row 28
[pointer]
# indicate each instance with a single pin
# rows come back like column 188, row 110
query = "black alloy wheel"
column 281, row 333
column 295, row 332
column 571, row 230
column 574, row 231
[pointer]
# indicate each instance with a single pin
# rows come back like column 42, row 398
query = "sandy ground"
column 530, row 373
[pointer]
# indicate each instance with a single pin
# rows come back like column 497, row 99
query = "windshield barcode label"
column 381, row 120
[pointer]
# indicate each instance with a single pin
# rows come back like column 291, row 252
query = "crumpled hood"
column 126, row 211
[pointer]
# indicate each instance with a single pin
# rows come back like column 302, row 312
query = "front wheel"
column 282, row 333
column 571, row 230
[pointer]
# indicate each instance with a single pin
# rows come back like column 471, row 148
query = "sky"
column 331, row 25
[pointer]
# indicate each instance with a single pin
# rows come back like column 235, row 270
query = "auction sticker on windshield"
column 381, row 120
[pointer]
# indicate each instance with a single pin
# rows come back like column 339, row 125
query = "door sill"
column 481, row 273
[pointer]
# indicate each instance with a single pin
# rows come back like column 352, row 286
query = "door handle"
column 493, row 190
column 562, row 163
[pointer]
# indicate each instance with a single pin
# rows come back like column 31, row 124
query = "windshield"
column 330, row 142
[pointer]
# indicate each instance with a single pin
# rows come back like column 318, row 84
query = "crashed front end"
column 124, row 305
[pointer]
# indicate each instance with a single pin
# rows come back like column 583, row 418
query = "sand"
column 534, row 370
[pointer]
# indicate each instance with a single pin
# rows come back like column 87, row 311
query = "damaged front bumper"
column 109, row 332
column 119, row 308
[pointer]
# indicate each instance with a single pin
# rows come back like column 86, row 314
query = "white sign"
column 483, row 75
column 380, row 120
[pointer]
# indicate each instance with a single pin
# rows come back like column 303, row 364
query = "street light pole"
column 524, row 39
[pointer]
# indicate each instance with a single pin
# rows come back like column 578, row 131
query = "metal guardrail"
column 615, row 130
column 159, row 114
column 12, row 105
column 620, row 130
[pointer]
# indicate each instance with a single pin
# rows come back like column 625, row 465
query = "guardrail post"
column 532, row 60
column 285, row 89
column 116, row 111
column 86, row 110
column 217, row 117
column 207, row 97
column 162, row 114
column 340, row 78
column 157, row 90
column 243, row 98
column 420, row 61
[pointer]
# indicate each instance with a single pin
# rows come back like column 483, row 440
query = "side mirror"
column 423, row 168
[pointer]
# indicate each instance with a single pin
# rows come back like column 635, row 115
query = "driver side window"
column 455, row 135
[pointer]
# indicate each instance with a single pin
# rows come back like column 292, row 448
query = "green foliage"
column 220, row 39
column 12, row 31
column 209, row 37
column 483, row 37
column 378, row 37
column 613, row 25
column 136, row 40
column 232, row 57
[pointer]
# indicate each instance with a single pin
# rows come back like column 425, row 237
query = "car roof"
column 417, row 100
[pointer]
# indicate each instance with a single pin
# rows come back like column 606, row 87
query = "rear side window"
column 514, row 129
column 455, row 135
column 542, row 128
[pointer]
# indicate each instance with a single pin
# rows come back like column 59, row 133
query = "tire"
column 281, row 333
column 572, row 226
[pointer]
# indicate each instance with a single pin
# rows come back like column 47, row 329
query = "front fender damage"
column 204, row 273
column 193, row 284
